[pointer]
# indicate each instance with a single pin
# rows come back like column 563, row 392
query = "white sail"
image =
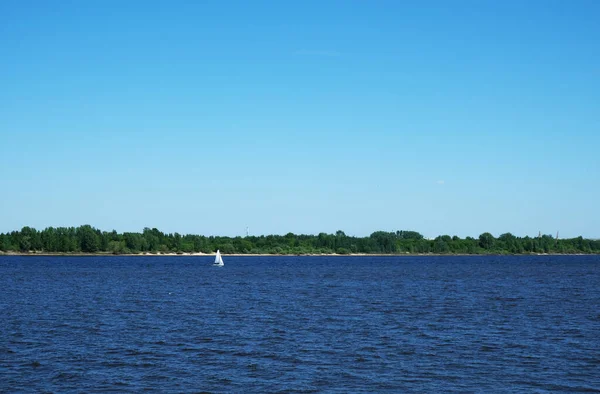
column 218, row 259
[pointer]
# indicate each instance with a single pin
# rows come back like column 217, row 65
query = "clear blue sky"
column 444, row 117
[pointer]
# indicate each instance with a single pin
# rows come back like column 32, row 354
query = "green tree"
column 385, row 241
column 88, row 239
column 133, row 242
column 116, row 247
column 441, row 245
column 25, row 243
column 408, row 235
column 486, row 241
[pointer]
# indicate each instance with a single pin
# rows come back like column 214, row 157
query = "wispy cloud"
column 306, row 52
column 440, row 182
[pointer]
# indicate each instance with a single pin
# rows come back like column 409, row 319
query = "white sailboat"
column 218, row 260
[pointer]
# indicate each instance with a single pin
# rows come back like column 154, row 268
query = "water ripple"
column 300, row 324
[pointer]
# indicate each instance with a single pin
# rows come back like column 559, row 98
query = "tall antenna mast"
column 247, row 231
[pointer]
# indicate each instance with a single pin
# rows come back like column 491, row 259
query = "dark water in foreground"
column 305, row 324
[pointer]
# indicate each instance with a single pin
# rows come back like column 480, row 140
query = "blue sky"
column 209, row 116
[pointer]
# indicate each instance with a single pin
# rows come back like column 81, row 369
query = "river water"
column 300, row 324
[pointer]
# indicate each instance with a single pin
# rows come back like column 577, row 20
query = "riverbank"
column 200, row 254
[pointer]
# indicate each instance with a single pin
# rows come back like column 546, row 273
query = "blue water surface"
column 300, row 324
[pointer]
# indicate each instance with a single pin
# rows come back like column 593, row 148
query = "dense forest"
column 87, row 239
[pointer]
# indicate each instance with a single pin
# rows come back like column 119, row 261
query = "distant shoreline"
column 87, row 240
column 108, row 254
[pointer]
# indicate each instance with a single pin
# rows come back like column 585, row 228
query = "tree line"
column 87, row 239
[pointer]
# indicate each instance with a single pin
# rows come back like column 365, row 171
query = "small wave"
column 367, row 349
column 65, row 376
column 488, row 348
column 114, row 364
column 506, row 299
column 407, row 352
